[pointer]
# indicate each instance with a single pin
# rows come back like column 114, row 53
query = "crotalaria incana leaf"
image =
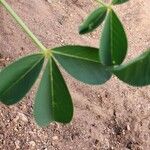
column 17, row 79
column 93, row 20
column 113, row 45
column 82, row 63
column 53, row 101
column 136, row 72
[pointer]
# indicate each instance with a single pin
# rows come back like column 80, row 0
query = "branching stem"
column 22, row 24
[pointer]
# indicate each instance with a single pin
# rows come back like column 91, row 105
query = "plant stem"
column 22, row 24
column 100, row 2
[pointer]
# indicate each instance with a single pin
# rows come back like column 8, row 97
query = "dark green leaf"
column 113, row 47
column 53, row 101
column 93, row 20
column 17, row 79
column 82, row 63
column 136, row 72
column 115, row 2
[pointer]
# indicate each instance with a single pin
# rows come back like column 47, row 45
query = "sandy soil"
column 113, row 116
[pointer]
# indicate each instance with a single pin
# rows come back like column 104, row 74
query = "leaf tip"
column 82, row 30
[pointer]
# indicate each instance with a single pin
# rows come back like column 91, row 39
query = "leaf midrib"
column 76, row 57
column 52, row 87
column 111, row 32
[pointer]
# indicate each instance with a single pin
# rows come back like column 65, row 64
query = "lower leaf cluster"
column 53, row 101
column 87, row 64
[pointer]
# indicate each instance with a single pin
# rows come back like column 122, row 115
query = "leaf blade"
column 136, row 72
column 82, row 63
column 41, row 110
column 18, row 78
column 53, row 101
column 93, row 20
column 114, row 45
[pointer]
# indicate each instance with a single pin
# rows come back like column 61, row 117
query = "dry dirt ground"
column 113, row 116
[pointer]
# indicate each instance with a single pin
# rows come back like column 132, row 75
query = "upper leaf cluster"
column 114, row 45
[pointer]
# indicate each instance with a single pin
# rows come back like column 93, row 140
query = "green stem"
column 102, row 3
column 22, row 24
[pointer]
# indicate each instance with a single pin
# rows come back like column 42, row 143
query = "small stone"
column 34, row 130
column 23, row 117
column 55, row 138
column 17, row 144
column 16, row 119
column 98, row 95
column 128, row 127
column 7, row 59
column 1, row 136
column 16, row 129
column 123, row 132
column 49, row 1
column 32, row 144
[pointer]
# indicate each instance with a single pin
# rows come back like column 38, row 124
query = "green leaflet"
column 136, row 72
column 82, row 63
column 93, row 20
column 115, row 2
column 113, row 47
column 53, row 101
column 17, row 79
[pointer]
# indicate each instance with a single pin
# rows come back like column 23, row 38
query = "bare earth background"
column 113, row 116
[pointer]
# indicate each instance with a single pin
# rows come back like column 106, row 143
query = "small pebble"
column 128, row 127
column 17, row 144
column 23, row 117
column 55, row 138
column 32, row 144
column 7, row 59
